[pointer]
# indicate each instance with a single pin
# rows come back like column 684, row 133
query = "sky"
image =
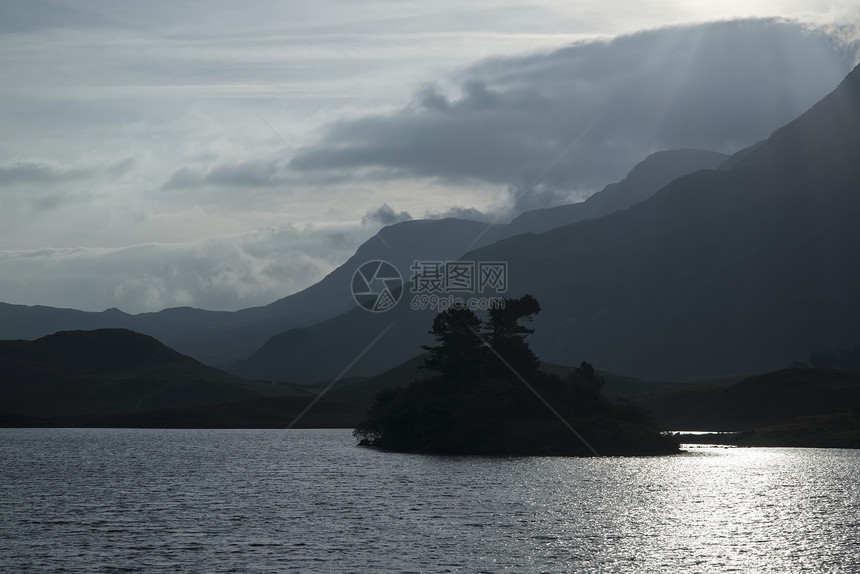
column 225, row 154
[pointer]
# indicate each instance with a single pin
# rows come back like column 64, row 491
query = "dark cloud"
column 122, row 168
column 524, row 197
column 39, row 14
column 242, row 174
column 185, row 177
column 384, row 215
column 34, row 172
column 574, row 119
column 431, row 97
column 52, row 201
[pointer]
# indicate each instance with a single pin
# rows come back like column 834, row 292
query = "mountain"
column 216, row 338
column 818, row 148
column 303, row 354
column 73, row 373
column 654, row 172
column 732, row 270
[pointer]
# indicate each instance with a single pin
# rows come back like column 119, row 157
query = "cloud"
column 35, row 187
column 384, row 215
column 431, row 97
column 550, row 125
column 525, row 197
column 137, row 131
column 252, row 173
column 51, row 201
column 224, row 273
column 38, row 14
column 36, row 173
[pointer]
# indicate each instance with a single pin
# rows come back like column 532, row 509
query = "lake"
column 111, row 500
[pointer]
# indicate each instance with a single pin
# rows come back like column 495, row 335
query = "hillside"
column 735, row 270
column 75, row 373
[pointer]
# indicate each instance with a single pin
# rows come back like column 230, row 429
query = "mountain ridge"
column 739, row 269
column 221, row 338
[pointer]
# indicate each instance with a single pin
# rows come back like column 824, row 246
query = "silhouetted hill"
column 109, row 371
column 770, row 399
column 99, row 351
column 720, row 271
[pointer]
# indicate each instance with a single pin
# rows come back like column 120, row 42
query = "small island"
column 490, row 398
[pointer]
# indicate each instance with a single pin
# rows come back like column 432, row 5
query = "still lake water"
column 108, row 500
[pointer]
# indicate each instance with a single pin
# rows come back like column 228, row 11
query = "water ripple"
column 88, row 500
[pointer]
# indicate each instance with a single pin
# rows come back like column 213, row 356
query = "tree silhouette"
column 505, row 334
column 476, row 405
column 460, row 353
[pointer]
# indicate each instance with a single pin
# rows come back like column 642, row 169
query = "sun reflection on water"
column 718, row 509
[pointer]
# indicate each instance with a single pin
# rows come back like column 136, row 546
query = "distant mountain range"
column 694, row 264
column 732, row 270
column 218, row 338
column 305, row 354
column 117, row 378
